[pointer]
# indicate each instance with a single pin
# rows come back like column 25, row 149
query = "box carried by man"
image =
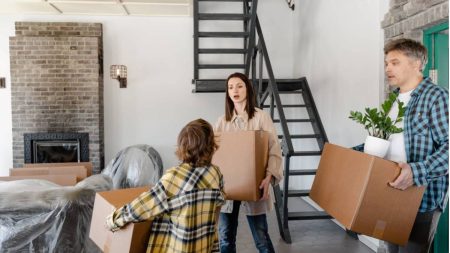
column 353, row 188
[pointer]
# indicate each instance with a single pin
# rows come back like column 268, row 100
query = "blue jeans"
column 228, row 223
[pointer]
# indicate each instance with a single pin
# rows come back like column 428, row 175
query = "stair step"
column 302, row 172
column 287, row 106
column 307, row 153
column 294, row 120
column 209, row 85
column 221, row 66
column 220, row 1
column 218, row 85
column 290, row 92
column 223, row 16
column 222, row 51
column 303, row 136
column 314, row 215
column 223, row 34
column 298, row 193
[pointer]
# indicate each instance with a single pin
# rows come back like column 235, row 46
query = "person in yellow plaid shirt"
column 185, row 203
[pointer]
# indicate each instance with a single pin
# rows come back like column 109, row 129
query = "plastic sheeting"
column 135, row 166
column 40, row 216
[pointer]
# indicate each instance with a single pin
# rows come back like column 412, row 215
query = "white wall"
column 338, row 47
column 6, row 29
column 158, row 102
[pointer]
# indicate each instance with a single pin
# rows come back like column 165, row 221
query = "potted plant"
column 379, row 125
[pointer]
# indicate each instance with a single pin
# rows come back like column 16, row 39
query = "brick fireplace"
column 57, row 85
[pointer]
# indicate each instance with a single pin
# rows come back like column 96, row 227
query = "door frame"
column 428, row 42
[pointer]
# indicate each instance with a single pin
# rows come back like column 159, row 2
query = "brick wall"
column 57, row 83
column 408, row 19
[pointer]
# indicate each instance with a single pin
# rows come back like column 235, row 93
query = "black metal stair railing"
column 271, row 90
column 256, row 64
column 268, row 88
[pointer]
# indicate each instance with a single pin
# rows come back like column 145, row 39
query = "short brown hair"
column 196, row 143
column 251, row 101
column 410, row 48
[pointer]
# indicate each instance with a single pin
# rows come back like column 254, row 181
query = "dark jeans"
column 228, row 223
column 421, row 236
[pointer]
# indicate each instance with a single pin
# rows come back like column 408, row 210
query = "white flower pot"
column 376, row 146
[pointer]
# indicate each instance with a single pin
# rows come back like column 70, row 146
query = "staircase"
column 306, row 115
column 238, row 54
column 254, row 61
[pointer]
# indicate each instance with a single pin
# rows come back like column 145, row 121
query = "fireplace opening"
column 56, row 147
column 56, row 151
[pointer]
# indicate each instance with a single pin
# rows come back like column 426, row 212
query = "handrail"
column 281, row 199
column 251, row 40
column 291, row 4
column 272, row 87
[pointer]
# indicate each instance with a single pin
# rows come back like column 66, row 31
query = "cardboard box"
column 63, row 180
column 79, row 171
column 88, row 165
column 353, row 188
column 132, row 238
column 242, row 158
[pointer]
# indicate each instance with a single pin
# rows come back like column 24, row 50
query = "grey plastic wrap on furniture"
column 135, row 166
column 40, row 216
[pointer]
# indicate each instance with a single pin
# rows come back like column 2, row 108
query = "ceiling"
column 97, row 7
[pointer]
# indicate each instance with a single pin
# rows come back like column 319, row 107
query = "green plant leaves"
column 377, row 122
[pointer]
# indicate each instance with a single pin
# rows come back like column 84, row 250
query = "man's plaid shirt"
column 183, row 207
column 426, row 142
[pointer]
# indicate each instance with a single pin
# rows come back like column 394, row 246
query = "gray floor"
column 316, row 236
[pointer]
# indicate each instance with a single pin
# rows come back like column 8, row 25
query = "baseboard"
column 370, row 242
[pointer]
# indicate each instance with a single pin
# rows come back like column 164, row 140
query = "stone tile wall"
column 57, row 83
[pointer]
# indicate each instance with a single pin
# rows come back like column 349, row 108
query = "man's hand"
column 405, row 179
column 265, row 186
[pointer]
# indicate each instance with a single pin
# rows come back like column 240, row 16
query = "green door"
column 436, row 41
column 440, row 244
column 441, row 59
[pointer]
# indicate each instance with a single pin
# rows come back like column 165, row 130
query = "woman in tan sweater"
column 241, row 114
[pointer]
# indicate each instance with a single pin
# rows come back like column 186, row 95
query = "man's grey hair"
column 410, row 48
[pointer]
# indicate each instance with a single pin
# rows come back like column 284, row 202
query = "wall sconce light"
column 2, row 82
column 119, row 72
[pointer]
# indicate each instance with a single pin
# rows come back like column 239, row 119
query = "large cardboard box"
column 88, row 165
column 132, row 238
column 79, row 171
column 353, row 188
column 63, row 180
column 242, row 158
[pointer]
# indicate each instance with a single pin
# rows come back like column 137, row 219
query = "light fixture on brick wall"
column 119, row 72
column 2, row 82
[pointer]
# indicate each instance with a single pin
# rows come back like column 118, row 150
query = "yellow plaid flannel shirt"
column 183, row 207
